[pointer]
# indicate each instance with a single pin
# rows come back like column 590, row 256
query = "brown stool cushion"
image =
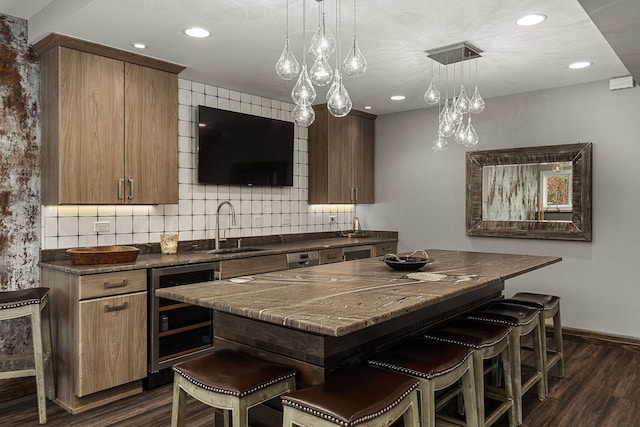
column 471, row 333
column 423, row 358
column 508, row 314
column 231, row 372
column 357, row 394
column 11, row 299
column 544, row 302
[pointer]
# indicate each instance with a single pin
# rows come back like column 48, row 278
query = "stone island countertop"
column 342, row 298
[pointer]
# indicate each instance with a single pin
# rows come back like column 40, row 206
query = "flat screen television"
column 241, row 149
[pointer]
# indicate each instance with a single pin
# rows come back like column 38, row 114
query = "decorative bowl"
column 103, row 255
column 406, row 262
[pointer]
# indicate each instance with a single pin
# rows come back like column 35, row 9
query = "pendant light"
column 303, row 93
column 354, row 64
column 432, row 95
column 287, row 66
column 339, row 103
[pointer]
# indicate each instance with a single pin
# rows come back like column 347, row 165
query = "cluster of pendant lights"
column 323, row 44
column 451, row 117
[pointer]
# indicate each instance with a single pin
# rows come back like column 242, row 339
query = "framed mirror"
column 531, row 192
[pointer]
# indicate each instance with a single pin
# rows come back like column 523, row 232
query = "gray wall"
column 421, row 194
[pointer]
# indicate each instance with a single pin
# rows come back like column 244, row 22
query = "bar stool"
column 34, row 303
column 360, row 395
column 550, row 306
column 489, row 340
column 228, row 380
column 523, row 321
column 437, row 365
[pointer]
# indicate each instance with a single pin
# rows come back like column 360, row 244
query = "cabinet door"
column 151, row 135
column 91, row 127
column 363, row 159
column 112, row 342
column 341, row 136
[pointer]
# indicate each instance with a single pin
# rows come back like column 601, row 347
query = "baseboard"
column 600, row 338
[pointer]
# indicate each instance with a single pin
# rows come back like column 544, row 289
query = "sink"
column 231, row 251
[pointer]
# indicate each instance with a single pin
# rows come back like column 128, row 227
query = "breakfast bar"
column 322, row 318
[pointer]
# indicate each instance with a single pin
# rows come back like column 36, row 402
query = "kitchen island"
column 322, row 318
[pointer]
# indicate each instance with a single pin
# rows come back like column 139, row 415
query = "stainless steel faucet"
column 233, row 220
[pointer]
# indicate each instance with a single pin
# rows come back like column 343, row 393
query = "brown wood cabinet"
column 109, row 125
column 341, row 158
column 99, row 328
column 381, row 249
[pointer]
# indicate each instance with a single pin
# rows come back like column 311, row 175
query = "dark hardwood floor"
column 601, row 388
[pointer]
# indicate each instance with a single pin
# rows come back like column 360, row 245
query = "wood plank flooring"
column 601, row 388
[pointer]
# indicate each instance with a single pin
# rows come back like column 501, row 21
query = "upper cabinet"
column 109, row 125
column 341, row 158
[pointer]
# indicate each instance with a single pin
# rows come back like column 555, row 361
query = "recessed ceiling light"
column 197, row 32
column 579, row 65
column 533, row 19
column 139, row 45
column 397, row 98
column 367, row 107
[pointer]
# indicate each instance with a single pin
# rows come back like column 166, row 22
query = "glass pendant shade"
column 303, row 93
column 339, row 104
column 323, row 42
column 321, row 72
column 461, row 132
column 446, row 128
column 303, row 115
column 287, row 66
column 432, row 95
column 454, row 114
column 477, row 103
column 463, row 103
column 471, row 138
column 439, row 144
column 355, row 63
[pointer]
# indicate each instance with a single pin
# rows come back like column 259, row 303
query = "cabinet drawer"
column 253, row 265
column 385, row 248
column 328, row 256
column 106, row 284
column 112, row 342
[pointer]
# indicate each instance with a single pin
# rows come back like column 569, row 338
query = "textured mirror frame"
column 579, row 228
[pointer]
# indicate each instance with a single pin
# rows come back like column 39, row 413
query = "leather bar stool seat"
column 550, row 306
column 489, row 340
column 230, row 381
column 437, row 365
column 32, row 303
column 360, row 396
column 523, row 321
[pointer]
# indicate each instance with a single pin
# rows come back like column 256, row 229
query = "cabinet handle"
column 122, row 284
column 356, row 193
column 120, row 189
column 108, row 308
column 332, row 256
column 353, row 196
column 130, row 180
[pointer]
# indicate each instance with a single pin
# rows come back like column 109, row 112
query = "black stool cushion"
column 508, row 314
column 545, row 302
column 231, row 372
column 471, row 333
column 357, row 394
column 11, row 299
column 423, row 358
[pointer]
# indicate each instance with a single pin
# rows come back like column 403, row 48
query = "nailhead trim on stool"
column 438, row 365
column 228, row 380
column 34, row 303
column 358, row 396
column 524, row 321
column 550, row 306
column 488, row 340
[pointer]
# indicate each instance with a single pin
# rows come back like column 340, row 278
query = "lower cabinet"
column 381, row 249
column 99, row 331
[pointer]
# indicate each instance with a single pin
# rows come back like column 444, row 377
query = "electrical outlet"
column 102, row 226
column 332, row 219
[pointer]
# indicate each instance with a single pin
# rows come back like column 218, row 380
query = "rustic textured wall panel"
column 19, row 171
column 511, row 192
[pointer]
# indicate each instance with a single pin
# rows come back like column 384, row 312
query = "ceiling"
column 247, row 37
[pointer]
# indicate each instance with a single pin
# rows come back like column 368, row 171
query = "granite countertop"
column 341, row 298
column 194, row 256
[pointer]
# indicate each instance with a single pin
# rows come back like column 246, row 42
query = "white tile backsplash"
column 193, row 217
